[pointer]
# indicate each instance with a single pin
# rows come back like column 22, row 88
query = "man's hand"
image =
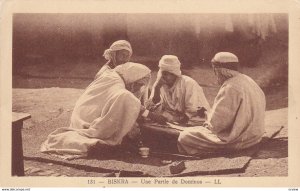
column 152, row 107
column 157, row 118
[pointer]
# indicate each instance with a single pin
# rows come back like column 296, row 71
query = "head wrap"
column 225, row 60
column 118, row 45
column 225, row 65
column 132, row 72
column 170, row 63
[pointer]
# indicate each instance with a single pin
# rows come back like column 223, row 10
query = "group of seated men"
column 111, row 105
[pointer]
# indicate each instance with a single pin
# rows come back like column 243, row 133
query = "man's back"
column 248, row 108
column 98, row 95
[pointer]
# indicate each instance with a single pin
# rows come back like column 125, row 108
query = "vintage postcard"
column 149, row 93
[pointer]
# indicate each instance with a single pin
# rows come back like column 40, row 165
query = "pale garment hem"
column 203, row 141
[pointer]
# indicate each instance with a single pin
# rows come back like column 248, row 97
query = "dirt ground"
column 44, row 98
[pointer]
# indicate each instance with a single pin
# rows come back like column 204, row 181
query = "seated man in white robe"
column 105, row 113
column 178, row 98
column 236, row 120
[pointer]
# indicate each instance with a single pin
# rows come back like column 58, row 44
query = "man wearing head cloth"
column 177, row 97
column 118, row 53
column 236, row 120
column 104, row 114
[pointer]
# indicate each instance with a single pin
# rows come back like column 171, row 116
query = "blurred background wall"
column 42, row 39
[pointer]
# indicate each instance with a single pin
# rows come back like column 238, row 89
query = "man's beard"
column 224, row 74
column 221, row 79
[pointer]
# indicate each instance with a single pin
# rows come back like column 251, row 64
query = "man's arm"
column 226, row 105
column 194, row 99
column 156, row 89
column 156, row 97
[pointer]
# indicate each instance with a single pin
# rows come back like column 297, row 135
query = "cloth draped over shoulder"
column 103, row 114
column 133, row 72
column 102, row 70
column 236, row 120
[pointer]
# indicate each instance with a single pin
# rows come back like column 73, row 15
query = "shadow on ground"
column 275, row 148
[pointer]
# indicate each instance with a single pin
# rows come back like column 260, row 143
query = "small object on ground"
column 177, row 167
column 144, row 152
column 166, row 161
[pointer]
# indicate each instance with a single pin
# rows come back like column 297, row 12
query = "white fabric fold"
column 104, row 114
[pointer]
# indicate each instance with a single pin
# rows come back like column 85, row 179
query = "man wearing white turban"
column 236, row 120
column 105, row 113
column 179, row 97
column 118, row 53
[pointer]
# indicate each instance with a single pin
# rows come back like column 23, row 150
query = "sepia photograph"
column 170, row 98
column 151, row 94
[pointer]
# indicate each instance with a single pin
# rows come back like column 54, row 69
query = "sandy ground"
column 54, row 98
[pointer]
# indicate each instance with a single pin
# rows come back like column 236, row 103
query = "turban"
column 170, row 63
column 132, row 72
column 118, row 45
column 226, row 66
column 225, row 60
